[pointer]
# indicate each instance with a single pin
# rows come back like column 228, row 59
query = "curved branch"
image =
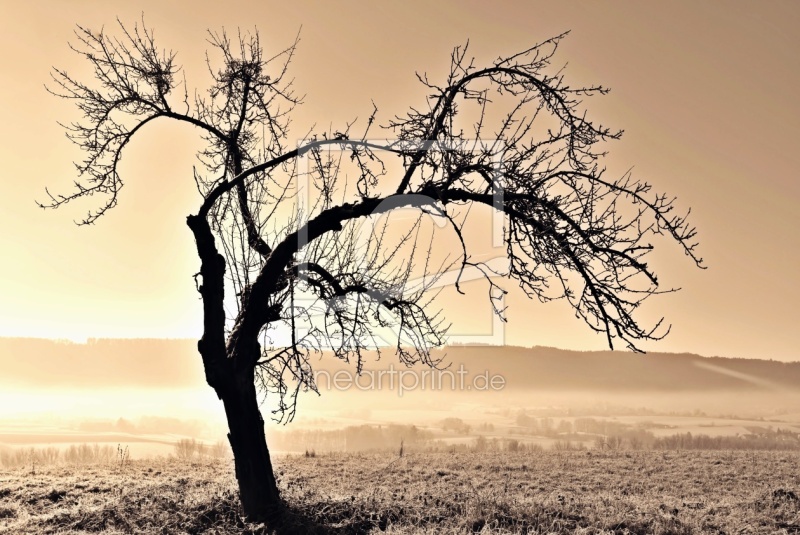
column 225, row 187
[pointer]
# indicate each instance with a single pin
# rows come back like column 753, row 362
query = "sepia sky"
column 706, row 93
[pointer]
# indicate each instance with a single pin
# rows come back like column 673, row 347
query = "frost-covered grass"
column 490, row 492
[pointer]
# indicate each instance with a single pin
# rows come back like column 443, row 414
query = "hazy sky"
column 706, row 93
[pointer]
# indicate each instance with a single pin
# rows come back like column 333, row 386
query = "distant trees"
column 87, row 454
column 278, row 226
column 760, row 440
column 390, row 437
column 49, row 455
column 189, row 448
column 457, row 425
column 185, row 448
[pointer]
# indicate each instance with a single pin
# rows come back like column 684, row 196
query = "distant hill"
column 161, row 363
column 546, row 368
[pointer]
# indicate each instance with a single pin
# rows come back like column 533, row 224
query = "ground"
column 465, row 492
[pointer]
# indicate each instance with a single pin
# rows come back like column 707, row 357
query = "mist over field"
column 124, row 435
column 150, row 394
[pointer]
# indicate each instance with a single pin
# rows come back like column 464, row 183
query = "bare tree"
column 185, row 448
column 286, row 267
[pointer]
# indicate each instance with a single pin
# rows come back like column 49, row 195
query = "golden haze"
column 706, row 93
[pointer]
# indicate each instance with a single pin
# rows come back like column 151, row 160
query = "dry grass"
column 544, row 492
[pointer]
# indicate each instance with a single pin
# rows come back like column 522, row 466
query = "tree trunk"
column 258, row 490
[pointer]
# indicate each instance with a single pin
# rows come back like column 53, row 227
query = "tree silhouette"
column 280, row 231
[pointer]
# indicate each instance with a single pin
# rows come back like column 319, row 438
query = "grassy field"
column 491, row 492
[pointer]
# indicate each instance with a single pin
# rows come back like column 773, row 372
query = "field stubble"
column 465, row 492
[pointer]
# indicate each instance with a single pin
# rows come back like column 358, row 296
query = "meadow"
column 490, row 492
